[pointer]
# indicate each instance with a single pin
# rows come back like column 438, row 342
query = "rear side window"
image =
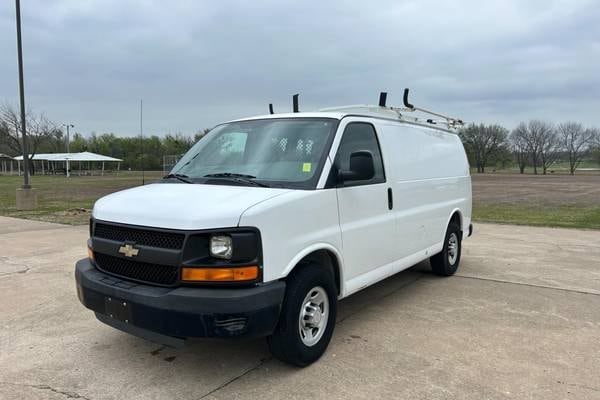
column 360, row 136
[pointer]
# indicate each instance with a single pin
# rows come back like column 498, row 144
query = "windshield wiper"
column 181, row 177
column 228, row 175
column 237, row 178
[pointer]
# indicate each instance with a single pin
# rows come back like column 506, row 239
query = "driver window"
column 360, row 136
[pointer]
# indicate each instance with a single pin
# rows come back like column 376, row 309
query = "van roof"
column 356, row 110
column 312, row 114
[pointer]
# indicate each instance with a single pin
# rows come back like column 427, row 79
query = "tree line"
column 46, row 136
column 536, row 144
column 136, row 152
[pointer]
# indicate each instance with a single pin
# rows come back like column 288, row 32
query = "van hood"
column 182, row 206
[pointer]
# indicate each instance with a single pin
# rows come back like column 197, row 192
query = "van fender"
column 312, row 248
column 460, row 215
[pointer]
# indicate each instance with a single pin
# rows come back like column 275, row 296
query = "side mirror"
column 362, row 167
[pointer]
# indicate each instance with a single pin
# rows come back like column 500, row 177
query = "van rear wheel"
column 446, row 262
column 307, row 317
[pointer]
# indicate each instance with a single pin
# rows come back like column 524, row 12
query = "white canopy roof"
column 84, row 156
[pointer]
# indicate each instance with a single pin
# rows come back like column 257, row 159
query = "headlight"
column 221, row 246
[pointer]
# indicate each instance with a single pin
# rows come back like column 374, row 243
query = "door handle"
column 390, row 199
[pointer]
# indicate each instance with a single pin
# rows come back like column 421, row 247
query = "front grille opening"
column 140, row 271
column 165, row 240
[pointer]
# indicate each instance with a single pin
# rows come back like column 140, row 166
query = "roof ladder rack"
column 383, row 110
column 450, row 122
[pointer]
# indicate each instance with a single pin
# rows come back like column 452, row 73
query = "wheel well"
column 456, row 217
column 326, row 259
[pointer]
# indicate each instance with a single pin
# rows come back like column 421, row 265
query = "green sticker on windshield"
column 306, row 167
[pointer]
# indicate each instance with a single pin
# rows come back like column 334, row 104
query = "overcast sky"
column 197, row 63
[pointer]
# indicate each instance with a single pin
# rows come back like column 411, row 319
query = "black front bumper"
column 179, row 312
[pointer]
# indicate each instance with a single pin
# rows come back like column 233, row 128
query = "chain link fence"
column 169, row 161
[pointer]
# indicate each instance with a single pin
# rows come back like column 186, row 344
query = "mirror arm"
column 345, row 175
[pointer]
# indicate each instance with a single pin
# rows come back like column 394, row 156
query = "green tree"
column 176, row 144
column 200, row 134
column 78, row 143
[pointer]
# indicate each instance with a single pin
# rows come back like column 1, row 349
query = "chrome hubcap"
column 313, row 316
column 452, row 248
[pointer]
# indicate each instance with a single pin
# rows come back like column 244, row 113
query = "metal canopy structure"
column 67, row 158
column 83, row 156
column 6, row 164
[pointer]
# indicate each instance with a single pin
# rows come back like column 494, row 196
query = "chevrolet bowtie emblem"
column 128, row 250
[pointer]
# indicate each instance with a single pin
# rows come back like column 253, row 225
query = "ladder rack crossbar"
column 451, row 122
column 398, row 112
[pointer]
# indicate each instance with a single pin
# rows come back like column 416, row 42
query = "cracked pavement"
column 521, row 319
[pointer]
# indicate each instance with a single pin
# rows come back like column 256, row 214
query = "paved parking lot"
column 520, row 320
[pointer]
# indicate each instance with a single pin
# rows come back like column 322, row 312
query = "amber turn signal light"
column 219, row 274
column 91, row 254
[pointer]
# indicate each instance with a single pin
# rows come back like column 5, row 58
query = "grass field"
column 66, row 200
column 552, row 200
column 558, row 168
column 558, row 216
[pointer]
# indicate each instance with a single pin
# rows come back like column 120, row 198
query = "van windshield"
column 270, row 152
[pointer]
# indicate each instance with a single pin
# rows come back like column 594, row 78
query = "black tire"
column 441, row 263
column 286, row 343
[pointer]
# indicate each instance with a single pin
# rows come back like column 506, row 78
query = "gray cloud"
column 196, row 63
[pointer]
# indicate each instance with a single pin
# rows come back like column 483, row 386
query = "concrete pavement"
column 520, row 320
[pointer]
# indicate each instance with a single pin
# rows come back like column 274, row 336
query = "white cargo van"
column 268, row 221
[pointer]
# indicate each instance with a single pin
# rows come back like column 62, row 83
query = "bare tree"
column 535, row 134
column 550, row 147
column 482, row 141
column 39, row 130
column 519, row 146
column 595, row 150
column 575, row 140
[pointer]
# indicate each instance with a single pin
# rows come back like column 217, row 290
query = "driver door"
column 366, row 220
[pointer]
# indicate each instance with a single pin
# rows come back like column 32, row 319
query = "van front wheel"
column 307, row 317
column 446, row 262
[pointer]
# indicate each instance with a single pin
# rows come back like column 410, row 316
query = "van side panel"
column 429, row 174
column 426, row 153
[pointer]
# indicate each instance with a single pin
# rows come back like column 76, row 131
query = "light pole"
column 68, row 139
column 22, row 99
column 142, row 142
column 68, row 142
column 26, row 197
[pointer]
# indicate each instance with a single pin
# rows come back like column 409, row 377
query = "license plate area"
column 117, row 309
